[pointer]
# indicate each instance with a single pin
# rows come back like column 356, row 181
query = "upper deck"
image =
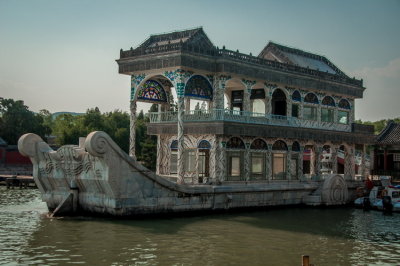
column 193, row 50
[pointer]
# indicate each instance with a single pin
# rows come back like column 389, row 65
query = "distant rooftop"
column 390, row 135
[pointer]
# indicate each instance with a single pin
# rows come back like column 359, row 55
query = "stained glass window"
column 199, row 87
column 328, row 100
column 344, row 104
column 296, row 96
column 151, row 90
column 235, row 143
column 259, row 144
column 311, row 98
column 204, row 144
column 279, row 145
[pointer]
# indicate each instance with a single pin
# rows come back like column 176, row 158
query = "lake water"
column 339, row 236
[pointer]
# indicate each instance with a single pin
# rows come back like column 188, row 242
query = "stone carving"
column 334, row 191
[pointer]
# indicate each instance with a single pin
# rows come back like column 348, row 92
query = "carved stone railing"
column 245, row 117
column 215, row 52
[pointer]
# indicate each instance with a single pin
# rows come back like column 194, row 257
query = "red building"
column 387, row 151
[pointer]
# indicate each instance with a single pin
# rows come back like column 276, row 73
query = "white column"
column 180, row 87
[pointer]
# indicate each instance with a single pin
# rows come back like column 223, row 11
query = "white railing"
column 244, row 117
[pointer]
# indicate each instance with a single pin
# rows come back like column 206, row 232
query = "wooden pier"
column 21, row 181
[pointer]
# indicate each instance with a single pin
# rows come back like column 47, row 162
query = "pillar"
column 312, row 161
column 197, row 166
column 159, row 154
column 246, row 100
column 335, row 115
column 221, row 160
column 181, row 111
column 349, row 167
column 213, row 162
column 300, row 163
column 268, row 163
column 132, row 128
column 319, row 113
column 334, row 155
column 289, row 106
column 318, row 151
column 289, row 163
column 247, row 163
column 247, row 93
column 220, row 82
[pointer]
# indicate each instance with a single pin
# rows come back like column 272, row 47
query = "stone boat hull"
column 97, row 177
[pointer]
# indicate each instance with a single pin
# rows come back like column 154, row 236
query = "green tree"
column 68, row 128
column 16, row 119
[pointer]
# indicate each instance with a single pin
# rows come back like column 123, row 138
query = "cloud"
column 391, row 70
column 382, row 94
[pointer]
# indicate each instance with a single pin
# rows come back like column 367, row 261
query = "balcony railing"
column 245, row 117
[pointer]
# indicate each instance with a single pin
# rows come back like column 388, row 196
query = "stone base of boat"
column 97, row 177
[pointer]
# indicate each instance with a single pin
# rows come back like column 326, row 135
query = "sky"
column 60, row 55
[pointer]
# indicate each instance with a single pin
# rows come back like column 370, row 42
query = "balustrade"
column 240, row 56
column 245, row 117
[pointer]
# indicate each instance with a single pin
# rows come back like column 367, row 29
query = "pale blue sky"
column 59, row 55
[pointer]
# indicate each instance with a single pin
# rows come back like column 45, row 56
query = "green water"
column 274, row 237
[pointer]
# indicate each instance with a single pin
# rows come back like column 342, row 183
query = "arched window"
column 296, row 96
column 296, row 99
column 344, row 104
column 235, row 143
column 343, row 115
column 199, row 87
column 257, row 159
column 328, row 100
column 279, row 145
column 327, row 114
column 310, row 112
column 152, row 91
column 296, row 146
column 279, row 160
column 204, row 159
column 278, row 103
column 235, row 159
column 311, row 98
column 259, row 144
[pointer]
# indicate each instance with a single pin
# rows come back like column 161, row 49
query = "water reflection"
column 329, row 236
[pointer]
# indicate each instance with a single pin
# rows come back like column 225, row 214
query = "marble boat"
column 257, row 140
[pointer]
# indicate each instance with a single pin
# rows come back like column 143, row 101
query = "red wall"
column 14, row 157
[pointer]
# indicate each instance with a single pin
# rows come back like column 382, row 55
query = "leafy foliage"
column 378, row 125
column 16, row 119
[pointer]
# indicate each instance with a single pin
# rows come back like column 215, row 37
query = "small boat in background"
column 384, row 197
